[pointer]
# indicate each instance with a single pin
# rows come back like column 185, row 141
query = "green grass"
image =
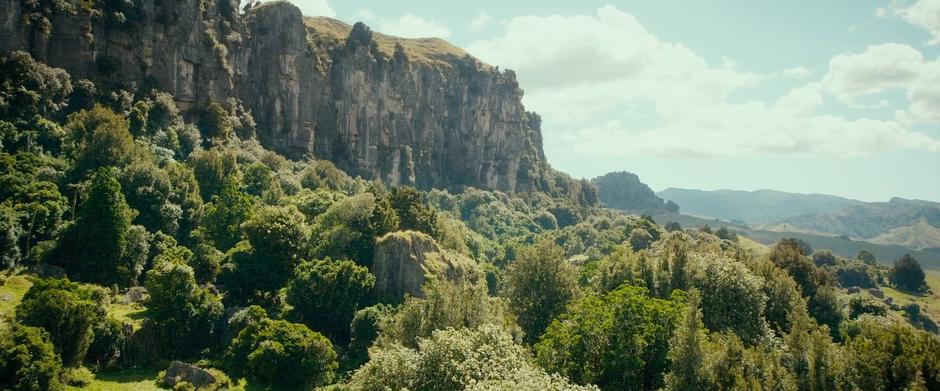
column 929, row 303
column 142, row 379
column 11, row 293
column 133, row 313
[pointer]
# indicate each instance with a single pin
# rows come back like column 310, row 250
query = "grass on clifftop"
column 425, row 50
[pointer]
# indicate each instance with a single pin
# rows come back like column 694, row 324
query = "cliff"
column 407, row 111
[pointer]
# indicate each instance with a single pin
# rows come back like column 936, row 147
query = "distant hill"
column 910, row 223
column 753, row 207
column 624, row 191
column 886, row 253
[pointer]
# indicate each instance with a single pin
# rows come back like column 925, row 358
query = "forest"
column 147, row 242
column 146, row 239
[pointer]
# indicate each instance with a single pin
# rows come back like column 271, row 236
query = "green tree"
column 277, row 238
column 99, row 138
column 539, row 284
column 363, row 331
column 214, row 122
column 348, row 228
column 686, row 355
column 908, row 275
column 28, row 361
column 481, row 358
column 281, row 354
column 69, row 312
column 618, row 341
column 412, row 212
column 29, row 87
column 184, row 313
column 324, row 294
column 867, row 257
column 96, row 247
column 732, row 297
column 224, row 216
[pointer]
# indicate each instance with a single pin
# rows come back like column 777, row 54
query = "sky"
column 836, row 97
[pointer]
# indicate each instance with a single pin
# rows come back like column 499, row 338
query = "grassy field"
column 11, row 292
column 929, row 303
column 142, row 379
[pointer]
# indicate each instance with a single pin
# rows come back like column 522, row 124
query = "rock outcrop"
column 407, row 111
column 404, row 261
column 179, row 372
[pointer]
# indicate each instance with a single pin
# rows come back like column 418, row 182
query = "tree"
column 908, row 275
column 481, row 358
column 184, row 313
column 68, row 312
column 224, row 216
column 324, row 294
column 28, row 360
column 363, row 331
column 685, row 349
column 99, row 138
column 277, row 237
column 412, row 212
column 867, row 257
column 29, row 87
column 618, row 341
column 214, row 122
column 446, row 305
column 540, row 283
column 96, row 248
column 732, row 297
column 281, row 354
column 348, row 228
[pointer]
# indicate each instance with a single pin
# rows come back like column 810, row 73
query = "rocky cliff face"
column 418, row 112
column 404, row 261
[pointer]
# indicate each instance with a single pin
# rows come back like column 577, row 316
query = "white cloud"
column 606, row 86
column 480, row 22
column 796, row 72
column 924, row 14
column 315, row 8
column 411, row 26
column 365, row 15
column 883, row 68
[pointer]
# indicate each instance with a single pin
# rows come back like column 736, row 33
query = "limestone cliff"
column 407, row 111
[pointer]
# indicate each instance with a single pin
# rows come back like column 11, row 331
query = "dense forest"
column 135, row 235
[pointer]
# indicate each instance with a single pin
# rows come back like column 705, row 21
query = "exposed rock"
column 854, row 289
column 182, row 372
column 135, row 294
column 876, row 293
column 407, row 111
column 404, row 261
column 47, row 271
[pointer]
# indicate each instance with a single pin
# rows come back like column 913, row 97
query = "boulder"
column 404, row 261
column 135, row 295
column 876, row 293
column 854, row 289
column 182, row 372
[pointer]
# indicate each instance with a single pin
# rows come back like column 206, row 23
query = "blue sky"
column 835, row 97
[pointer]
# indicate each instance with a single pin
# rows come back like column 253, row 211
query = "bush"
column 908, row 275
column 324, row 294
column 617, row 341
column 28, row 360
column 282, row 354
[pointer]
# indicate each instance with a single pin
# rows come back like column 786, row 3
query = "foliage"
column 618, row 341
column 99, row 138
column 482, row 358
column 281, row 354
column 446, row 305
column 349, row 227
column 539, row 284
column 223, row 217
column 363, row 331
column 29, row 88
column 324, row 294
column 907, row 274
column 885, row 355
column 28, row 360
column 413, row 213
column 184, row 313
column 69, row 312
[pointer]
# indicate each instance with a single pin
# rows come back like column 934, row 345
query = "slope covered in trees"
column 254, row 270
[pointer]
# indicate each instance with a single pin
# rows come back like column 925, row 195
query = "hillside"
column 753, row 207
column 910, row 223
column 624, row 191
